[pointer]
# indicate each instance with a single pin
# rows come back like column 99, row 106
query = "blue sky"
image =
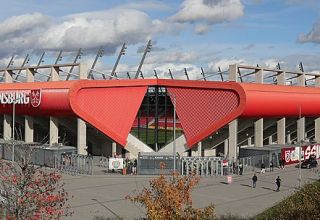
column 186, row 34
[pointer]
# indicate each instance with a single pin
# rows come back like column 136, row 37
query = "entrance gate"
column 202, row 166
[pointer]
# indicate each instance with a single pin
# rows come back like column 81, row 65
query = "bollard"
column 229, row 179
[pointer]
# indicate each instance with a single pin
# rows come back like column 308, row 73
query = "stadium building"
column 128, row 116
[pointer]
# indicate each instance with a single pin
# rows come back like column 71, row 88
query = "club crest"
column 35, row 97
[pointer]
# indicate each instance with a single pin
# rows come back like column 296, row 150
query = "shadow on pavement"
column 268, row 188
column 246, row 185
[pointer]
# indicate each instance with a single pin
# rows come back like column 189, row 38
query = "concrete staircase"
column 134, row 146
column 181, row 146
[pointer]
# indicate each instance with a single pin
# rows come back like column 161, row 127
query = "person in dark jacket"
column 278, row 182
column 241, row 168
column 254, row 180
column 271, row 166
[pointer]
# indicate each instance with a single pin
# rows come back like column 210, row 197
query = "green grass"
column 151, row 135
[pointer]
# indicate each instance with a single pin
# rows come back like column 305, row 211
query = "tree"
column 31, row 192
column 170, row 198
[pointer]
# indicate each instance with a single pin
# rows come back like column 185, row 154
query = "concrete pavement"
column 104, row 194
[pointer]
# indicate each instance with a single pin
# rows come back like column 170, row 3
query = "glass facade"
column 154, row 122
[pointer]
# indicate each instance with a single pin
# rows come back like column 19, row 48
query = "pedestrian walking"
column 263, row 168
column 241, row 168
column 283, row 163
column 278, row 182
column 271, row 166
column 280, row 163
column 254, row 180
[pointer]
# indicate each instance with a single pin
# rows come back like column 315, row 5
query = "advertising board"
column 291, row 154
column 115, row 163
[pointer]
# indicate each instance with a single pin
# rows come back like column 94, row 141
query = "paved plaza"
column 104, row 194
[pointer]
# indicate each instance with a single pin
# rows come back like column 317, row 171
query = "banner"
column 291, row 154
column 115, row 163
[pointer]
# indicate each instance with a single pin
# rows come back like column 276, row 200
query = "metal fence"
column 202, row 166
column 74, row 164
column 254, row 163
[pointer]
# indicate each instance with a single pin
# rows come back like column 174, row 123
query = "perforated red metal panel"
column 202, row 111
column 111, row 110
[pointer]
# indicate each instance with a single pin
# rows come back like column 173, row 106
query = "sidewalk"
column 104, row 195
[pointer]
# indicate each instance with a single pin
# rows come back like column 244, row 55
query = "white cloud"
column 312, row 36
column 209, row 11
column 202, row 28
column 172, row 57
column 177, row 70
column 225, row 62
column 108, row 28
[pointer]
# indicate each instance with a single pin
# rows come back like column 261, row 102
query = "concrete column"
column 28, row 120
column 54, row 122
column 317, row 121
column 53, row 126
column 114, row 148
column 301, row 129
column 249, row 141
column 233, row 75
column 233, row 140
column 81, row 137
column 270, row 140
column 288, row 138
column 258, row 124
column 28, row 129
column 7, row 131
column 81, row 125
column 30, row 75
column 301, row 122
column 226, row 148
column 7, row 119
column 233, row 126
column 83, row 71
column 281, row 131
column 258, row 133
column 281, row 123
column 54, row 74
column 200, row 149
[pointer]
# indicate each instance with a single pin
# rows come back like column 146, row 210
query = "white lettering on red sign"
column 21, row 97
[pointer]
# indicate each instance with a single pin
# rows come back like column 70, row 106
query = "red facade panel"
column 203, row 111
column 111, row 110
column 280, row 101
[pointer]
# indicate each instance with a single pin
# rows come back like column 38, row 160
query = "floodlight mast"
column 99, row 54
column 122, row 52
column 25, row 61
column 10, row 62
column 78, row 56
column 146, row 50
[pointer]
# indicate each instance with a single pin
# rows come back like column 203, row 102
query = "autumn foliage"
column 170, row 198
column 30, row 192
column 302, row 205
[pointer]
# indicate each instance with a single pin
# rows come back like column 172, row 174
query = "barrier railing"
column 74, row 164
column 202, row 166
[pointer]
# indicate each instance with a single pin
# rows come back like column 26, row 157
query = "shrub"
column 303, row 205
column 30, row 192
column 170, row 198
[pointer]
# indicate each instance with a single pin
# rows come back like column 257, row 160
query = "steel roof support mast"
column 122, row 52
column 146, row 50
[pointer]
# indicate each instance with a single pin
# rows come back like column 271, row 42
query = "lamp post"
column 13, row 126
column 174, row 133
column 300, row 146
